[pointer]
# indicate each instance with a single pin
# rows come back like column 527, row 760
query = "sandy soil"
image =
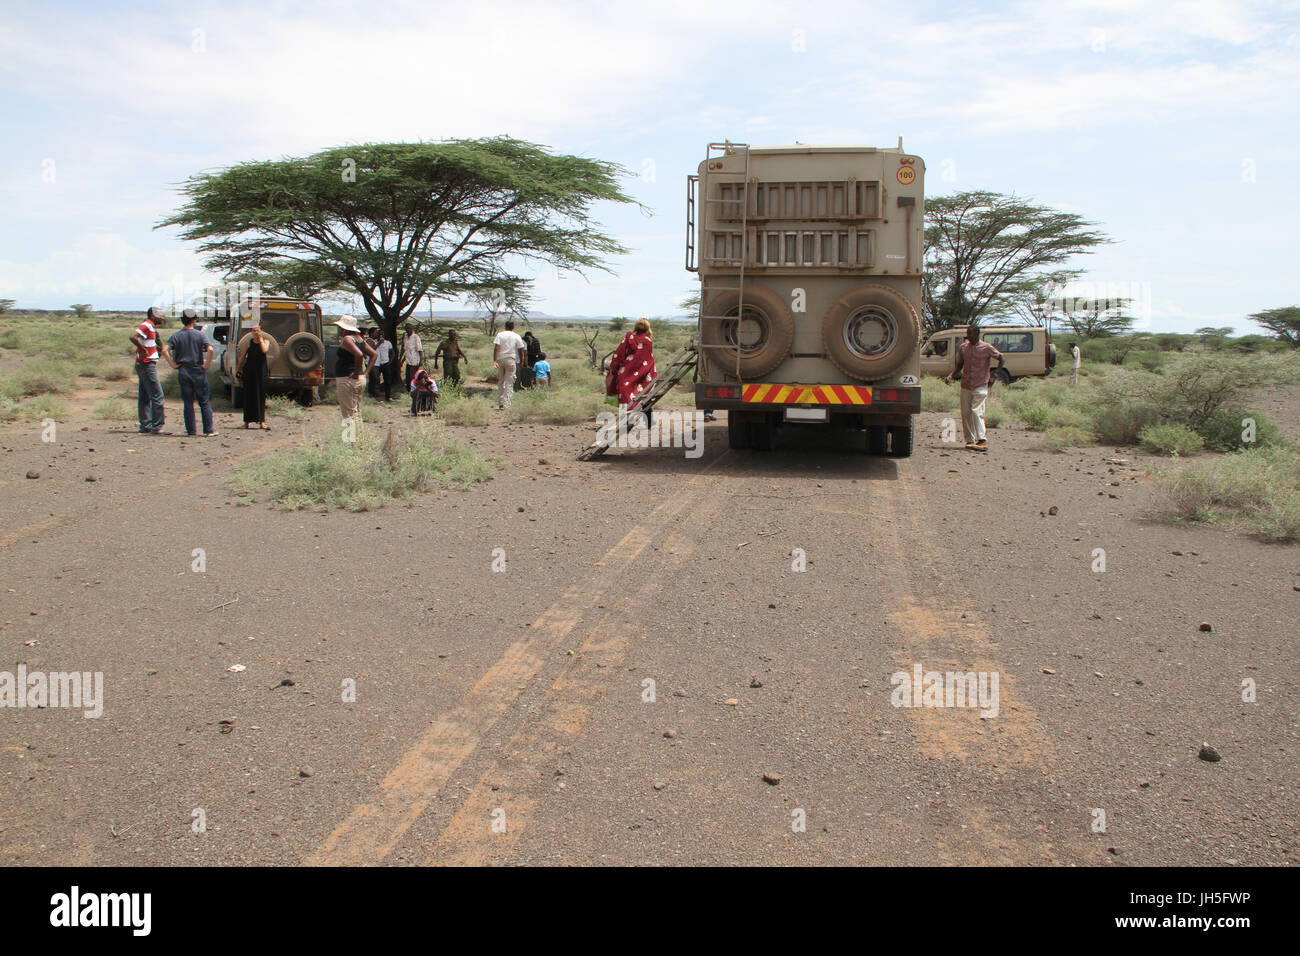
column 520, row 697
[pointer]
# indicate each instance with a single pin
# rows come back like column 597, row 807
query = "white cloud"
column 100, row 266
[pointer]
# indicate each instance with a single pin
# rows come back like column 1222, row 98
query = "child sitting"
column 424, row 393
column 542, row 369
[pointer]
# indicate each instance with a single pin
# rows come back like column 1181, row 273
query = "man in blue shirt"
column 190, row 354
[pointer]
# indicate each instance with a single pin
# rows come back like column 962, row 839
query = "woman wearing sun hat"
column 356, row 356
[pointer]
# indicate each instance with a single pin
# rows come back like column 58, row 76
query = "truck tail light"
column 316, row 376
column 893, row 395
column 722, row 391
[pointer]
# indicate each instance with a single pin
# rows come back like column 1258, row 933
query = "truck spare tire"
column 765, row 333
column 304, row 351
column 870, row 332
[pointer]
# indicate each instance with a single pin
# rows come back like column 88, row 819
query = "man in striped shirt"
column 150, row 404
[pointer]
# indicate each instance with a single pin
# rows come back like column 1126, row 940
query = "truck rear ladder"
column 679, row 366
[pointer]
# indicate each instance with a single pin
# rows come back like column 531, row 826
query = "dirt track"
column 522, row 691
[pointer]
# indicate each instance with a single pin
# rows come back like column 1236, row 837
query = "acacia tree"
column 301, row 280
column 1094, row 318
column 394, row 222
column 1284, row 323
column 983, row 249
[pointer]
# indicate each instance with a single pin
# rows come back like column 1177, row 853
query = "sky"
column 1175, row 126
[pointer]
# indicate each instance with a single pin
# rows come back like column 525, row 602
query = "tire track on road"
column 372, row 830
column 517, row 786
column 961, row 640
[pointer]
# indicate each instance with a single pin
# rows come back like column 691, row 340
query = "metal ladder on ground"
column 679, row 366
column 744, row 198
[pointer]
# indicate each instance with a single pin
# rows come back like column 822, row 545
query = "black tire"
column 775, row 325
column 1002, row 376
column 875, row 439
column 306, row 397
column 900, row 441
column 304, row 351
column 236, row 397
column 870, row 332
column 737, row 431
column 762, row 433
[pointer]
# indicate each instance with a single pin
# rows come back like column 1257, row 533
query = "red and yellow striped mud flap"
column 808, row 394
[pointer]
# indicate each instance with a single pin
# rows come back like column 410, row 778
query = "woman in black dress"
column 252, row 367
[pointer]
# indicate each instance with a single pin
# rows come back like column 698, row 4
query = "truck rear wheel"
column 871, row 331
column 737, row 431
column 762, row 433
column 900, row 441
column 875, row 439
column 765, row 333
column 236, row 397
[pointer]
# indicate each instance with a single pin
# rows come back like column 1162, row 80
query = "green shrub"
column 1034, row 414
column 994, row 415
column 1062, row 437
column 1152, row 361
column 936, row 396
column 1068, row 416
column 1224, row 430
column 1196, row 387
column 41, row 376
column 554, row 407
column 41, row 407
column 1258, row 490
column 115, row 410
column 284, row 407
column 363, row 474
column 462, row 409
column 1170, row 440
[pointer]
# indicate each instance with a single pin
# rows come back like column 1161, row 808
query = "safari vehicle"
column 217, row 334
column 1025, row 349
column 809, row 260
column 296, row 358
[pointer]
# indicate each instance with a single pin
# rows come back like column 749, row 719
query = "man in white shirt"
column 508, row 350
column 412, row 354
column 1076, row 360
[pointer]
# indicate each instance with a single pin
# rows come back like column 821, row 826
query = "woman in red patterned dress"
column 634, row 363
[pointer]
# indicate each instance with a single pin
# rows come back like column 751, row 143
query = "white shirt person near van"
column 1076, row 362
column 508, row 350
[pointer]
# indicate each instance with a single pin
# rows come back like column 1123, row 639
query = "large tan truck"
column 809, row 259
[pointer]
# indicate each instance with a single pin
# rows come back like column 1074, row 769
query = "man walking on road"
column 973, row 363
column 1076, row 361
column 508, row 352
column 145, row 340
column 190, row 354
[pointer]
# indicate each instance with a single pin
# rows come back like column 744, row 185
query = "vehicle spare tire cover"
column 272, row 350
column 304, row 351
column 775, row 333
column 870, row 332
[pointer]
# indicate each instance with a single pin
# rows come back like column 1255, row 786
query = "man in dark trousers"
column 190, row 354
